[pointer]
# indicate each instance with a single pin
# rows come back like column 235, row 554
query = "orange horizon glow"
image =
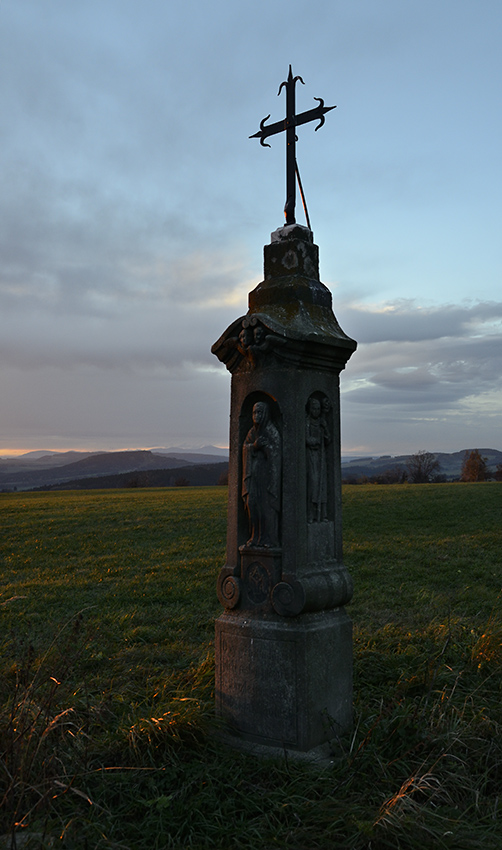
column 10, row 453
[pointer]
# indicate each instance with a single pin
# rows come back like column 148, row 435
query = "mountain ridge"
column 28, row 475
column 61, row 468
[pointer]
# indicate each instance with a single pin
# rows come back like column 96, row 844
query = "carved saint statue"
column 317, row 438
column 261, row 478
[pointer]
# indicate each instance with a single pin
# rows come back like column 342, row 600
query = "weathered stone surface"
column 284, row 571
column 285, row 682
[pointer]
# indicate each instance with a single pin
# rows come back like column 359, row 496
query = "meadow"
column 107, row 732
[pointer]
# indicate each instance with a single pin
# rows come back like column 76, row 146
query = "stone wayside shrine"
column 284, row 641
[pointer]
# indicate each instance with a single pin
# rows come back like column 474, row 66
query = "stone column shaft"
column 285, row 634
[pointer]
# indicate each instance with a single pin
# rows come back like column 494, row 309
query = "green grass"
column 107, row 608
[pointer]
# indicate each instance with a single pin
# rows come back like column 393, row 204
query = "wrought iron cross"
column 289, row 124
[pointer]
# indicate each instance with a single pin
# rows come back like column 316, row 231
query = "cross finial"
column 292, row 121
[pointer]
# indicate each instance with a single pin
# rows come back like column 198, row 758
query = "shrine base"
column 284, row 682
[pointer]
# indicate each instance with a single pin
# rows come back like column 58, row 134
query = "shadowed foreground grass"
column 107, row 609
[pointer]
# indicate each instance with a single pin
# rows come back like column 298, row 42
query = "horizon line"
column 6, row 454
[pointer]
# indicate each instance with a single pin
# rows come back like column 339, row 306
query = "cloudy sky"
column 134, row 209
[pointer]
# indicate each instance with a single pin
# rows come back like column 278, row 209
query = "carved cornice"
column 291, row 337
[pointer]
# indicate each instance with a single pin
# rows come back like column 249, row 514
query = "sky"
column 134, row 209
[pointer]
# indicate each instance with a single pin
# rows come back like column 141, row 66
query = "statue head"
column 260, row 413
column 314, row 407
column 258, row 334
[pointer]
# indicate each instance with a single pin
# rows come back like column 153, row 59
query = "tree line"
column 424, row 468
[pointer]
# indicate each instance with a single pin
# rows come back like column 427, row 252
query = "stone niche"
column 284, row 641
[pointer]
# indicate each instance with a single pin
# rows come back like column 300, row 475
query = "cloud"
column 134, row 207
column 406, row 320
column 409, row 352
column 86, row 279
column 420, row 366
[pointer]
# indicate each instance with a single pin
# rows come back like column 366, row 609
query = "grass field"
column 107, row 609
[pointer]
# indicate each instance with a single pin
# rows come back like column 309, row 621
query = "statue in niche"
column 261, row 478
column 317, row 439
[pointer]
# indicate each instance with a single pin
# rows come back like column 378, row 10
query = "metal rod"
column 304, row 202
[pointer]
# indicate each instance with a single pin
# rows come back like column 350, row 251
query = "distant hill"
column 41, row 460
column 161, row 466
column 215, row 452
column 195, row 475
column 31, row 473
column 450, row 464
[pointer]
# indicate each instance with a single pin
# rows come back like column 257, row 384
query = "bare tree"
column 396, row 475
column 474, row 467
column 421, row 467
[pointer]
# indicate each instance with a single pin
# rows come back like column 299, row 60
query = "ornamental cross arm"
column 316, row 114
column 291, row 121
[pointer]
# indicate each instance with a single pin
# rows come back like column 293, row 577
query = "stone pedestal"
column 285, row 682
column 284, row 646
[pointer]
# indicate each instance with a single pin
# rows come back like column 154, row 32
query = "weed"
column 39, row 726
